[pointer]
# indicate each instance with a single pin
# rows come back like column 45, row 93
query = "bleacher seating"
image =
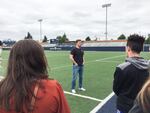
column 104, row 43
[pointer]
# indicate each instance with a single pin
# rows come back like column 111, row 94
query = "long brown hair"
column 26, row 65
column 144, row 97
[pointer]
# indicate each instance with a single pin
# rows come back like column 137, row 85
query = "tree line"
column 123, row 37
column 63, row 38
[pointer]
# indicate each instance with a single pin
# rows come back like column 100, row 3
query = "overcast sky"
column 76, row 18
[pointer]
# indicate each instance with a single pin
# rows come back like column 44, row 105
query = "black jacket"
column 136, row 108
column 129, row 78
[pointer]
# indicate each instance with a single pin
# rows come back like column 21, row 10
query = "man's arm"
column 118, row 80
column 72, row 59
column 83, row 61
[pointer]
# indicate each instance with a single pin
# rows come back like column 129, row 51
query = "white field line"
column 4, row 59
column 59, row 67
column 55, row 56
column 110, row 58
column 115, row 61
column 99, row 106
column 1, row 77
column 78, row 95
column 98, row 60
column 82, row 96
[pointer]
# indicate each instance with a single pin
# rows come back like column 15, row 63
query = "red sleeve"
column 62, row 102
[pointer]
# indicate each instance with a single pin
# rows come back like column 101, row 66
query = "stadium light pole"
column 106, row 6
column 40, row 20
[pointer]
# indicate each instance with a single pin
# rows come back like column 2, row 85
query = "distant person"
column 142, row 103
column 76, row 56
column 26, row 87
column 130, row 76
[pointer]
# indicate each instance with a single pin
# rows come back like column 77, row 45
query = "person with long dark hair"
column 26, row 87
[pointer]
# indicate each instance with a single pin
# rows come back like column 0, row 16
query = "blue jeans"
column 77, row 70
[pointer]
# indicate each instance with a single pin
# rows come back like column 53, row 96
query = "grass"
column 98, row 75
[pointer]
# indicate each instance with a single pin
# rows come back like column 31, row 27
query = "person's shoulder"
column 50, row 82
column 124, row 65
column 50, row 88
column 73, row 50
column 82, row 49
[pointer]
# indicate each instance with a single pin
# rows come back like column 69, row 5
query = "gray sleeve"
column 136, row 108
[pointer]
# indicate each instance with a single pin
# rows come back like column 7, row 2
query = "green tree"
column 29, row 36
column 62, row 39
column 88, row 39
column 147, row 41
column 122, row 37
column 59, row 39
column 45, row 39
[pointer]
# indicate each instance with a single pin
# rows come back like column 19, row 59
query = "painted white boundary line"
column 87, row 97
column 98, row 60
column 1, row 77
column 102, row 103
column 78, row 95
column 82, row 96
column 115, row 61
column 110, row 58
column 59, row 67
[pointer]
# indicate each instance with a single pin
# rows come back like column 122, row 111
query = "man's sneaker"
column 82, row 89
column 73, row 91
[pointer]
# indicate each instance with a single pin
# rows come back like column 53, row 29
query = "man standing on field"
column 76, row 56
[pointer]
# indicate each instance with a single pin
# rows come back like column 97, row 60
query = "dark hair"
column 26, row 65
column 78, row 40
column 135, row 42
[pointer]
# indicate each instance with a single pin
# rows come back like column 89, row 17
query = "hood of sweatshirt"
column 139, row 62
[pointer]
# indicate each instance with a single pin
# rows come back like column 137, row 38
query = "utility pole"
column 106, row 6
column 40, row 20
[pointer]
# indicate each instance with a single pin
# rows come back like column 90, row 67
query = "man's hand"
column 76, row 64
column 73, row 61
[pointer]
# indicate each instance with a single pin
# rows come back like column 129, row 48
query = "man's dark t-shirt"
column 77, row 55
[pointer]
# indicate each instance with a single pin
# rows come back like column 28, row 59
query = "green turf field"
column 98, row 75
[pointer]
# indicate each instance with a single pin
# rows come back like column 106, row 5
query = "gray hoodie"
column 139, row 63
